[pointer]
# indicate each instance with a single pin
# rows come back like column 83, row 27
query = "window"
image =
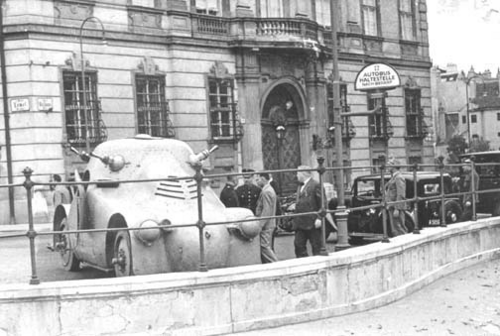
column 415, row 126
column 407, row 19
column 143, row 3
column 369, row 11
column 323, row 12
column 378, row 121
column 347, row 126
column 272, row 8
column 473, row 118
column 222, row 108
column 209, row 7
column 464, row 119
column 81, row 114
column 152, row 107
column 498, row 116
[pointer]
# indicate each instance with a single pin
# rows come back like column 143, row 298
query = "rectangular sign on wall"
column 20, row 105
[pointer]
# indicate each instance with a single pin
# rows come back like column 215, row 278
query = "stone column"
column 247, row 77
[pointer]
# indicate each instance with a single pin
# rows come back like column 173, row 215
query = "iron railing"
column 324, row 173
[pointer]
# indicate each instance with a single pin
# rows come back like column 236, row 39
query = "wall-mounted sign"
column 377, row 76
column 19, row 105
column 45, row 104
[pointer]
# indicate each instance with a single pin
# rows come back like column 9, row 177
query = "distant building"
column 213, row 72
column 483, row 110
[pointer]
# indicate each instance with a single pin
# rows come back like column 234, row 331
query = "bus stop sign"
column 377, row 76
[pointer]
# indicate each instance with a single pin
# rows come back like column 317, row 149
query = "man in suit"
column 307, row 228
column 266, row 207
column 248, row 193
column 395, row 190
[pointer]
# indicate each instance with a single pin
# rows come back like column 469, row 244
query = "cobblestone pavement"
column 466, row 303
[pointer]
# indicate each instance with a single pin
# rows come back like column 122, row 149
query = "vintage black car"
column 366, row 191
column 488, row 169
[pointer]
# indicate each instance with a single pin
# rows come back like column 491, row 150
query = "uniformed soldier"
column 228, row 195
column 248, row 193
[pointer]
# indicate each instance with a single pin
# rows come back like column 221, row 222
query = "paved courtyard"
column 466, row 303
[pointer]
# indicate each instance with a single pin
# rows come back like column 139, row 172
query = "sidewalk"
column 7, row 229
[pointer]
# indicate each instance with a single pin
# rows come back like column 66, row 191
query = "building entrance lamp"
column 280, row 132
column 84, row 90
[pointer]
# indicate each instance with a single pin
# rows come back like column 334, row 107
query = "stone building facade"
column 212, row 72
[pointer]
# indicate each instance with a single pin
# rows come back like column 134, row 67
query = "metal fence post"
column 473, row 187
column 385, row 238
column 322, row 211
column 441, row 182
column 200, row 224
column 416, row 229
column 31, row 234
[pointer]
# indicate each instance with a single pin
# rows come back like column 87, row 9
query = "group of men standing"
column 262, row 199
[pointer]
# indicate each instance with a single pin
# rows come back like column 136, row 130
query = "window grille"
column 81, row 114
column 152, row 107
column 348, row 130
column 415, row 126
column 224, row 123
column 379, row 124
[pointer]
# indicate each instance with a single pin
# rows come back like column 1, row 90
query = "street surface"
column 15, row 264
column 466, row 303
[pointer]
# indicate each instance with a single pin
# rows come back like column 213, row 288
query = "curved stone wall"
column 250, row 297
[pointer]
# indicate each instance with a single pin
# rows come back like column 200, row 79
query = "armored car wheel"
column 63, row 244
column 122, row 255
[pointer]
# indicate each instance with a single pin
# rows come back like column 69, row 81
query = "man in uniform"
column 228, row 195
column 395, row 190
column 469, row 175
column 248, row 193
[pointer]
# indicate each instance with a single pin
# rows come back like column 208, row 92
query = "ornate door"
column 280, row 138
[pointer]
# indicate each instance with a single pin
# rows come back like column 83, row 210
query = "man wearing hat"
column 469, row 175
column 395, row 190
column 248, row 193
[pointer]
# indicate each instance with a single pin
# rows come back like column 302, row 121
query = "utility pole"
column 342, row 234
column 6, row 115
column 337, row 119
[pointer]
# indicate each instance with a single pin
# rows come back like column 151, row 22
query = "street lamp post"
column 84, row 90
column 280, row 135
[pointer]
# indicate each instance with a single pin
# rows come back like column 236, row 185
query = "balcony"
column 278, row 33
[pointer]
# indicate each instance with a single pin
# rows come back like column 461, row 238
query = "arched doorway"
column 280, row 135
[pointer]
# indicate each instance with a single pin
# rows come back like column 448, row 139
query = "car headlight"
column 149, row 232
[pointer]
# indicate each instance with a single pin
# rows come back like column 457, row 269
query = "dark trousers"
column 301, row 238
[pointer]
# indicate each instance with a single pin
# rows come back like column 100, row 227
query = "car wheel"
column 63, row 243
column 453, row 212
column 122, row 254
